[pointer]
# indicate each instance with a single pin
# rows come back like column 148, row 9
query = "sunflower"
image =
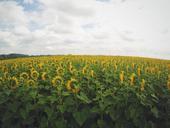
column 6, row 75
column 24, row 75
column 14, row 82
column 40, row 65
column 70, row 67
column 31, row 83
column 139, row 72
column 1, row 80
column 121, row 76
column 59, row 71
column 44, row 76
column 168, row 85
column 34, row 75
column 84, row 70
column 57, row 81
column 75, row 90
column 142, row 87
column 132, row 79
column 71, row 85
column 133, row 65
column 92, row 73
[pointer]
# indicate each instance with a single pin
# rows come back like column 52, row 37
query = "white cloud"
column 117, row 27
column 28, row 1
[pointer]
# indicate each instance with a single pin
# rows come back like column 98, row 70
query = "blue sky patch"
column 35, row 6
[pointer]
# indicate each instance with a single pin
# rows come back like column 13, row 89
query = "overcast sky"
column 107, row 27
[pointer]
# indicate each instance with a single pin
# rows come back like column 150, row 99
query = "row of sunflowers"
column 84, row 91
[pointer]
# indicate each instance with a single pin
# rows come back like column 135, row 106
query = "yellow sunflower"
column 34, row 75
column 14, row 82
column 121, row 76
column 92, row 73
column 24, row 75
column 44, row 76
column 132, row 79
column 142, row 87
column 31, row 83
column 59, row 71
column 57, row 81
column 1, row 80
column 71, row 85
column 139, row 72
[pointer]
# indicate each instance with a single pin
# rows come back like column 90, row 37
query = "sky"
column 94, row 27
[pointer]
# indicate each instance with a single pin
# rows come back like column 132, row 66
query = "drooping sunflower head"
column 70, row 65
column 57, row 81
column 121, row 76
column 139, row 72
column 132, row 78
column 92, row 73
column 72, row 86
column 59, row 71
column 14, row 82
column 6, row 75
column 1, row 80
column 24, row 75
column 84, row 70
column 31, row 83
column 34, row 75
column 40, row 65
column 133, row 65
column 142, row 87
column 44, row 76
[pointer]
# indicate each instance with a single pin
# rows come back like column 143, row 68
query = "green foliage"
column 92, row 101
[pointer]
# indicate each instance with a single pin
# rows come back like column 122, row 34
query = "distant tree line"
column 11, row 56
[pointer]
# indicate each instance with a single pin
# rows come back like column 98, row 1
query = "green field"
column 84, row 92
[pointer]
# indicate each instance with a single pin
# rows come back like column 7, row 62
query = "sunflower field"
column 84, row 92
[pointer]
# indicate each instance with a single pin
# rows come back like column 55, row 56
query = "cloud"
column 10, row 12
column 103, row 0
column 28, row 1
column 85, row 27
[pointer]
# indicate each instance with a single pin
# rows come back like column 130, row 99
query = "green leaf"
column 60, row 124
column 23, row 113
column 82, row 96
column 154, row 110
column 101, row 124
column 81, row 116
column 65, row 93
column 49, row 112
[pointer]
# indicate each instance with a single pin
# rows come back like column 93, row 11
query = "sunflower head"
column 59, row 71
column 14, row 82
column 92, row 73
column 115, row 66
column 1, row 80
column 142, row 86
column 6, row 75
column 84, row 70
column 34, row 75
column 44, row 76
column 31, row 83
column 57, row 81
column 132, row 79
column 121, row 76
column 139, row 72
column 133, row 65
column 168, row 85
column 24, row 75
column 40, row 65
column 72, row 85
